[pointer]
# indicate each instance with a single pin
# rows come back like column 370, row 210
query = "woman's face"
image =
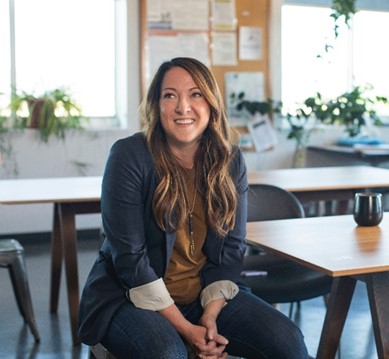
column 183, row 109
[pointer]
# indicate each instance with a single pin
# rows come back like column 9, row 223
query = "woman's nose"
column 183, row 105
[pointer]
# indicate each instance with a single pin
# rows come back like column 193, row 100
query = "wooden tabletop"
column 68, row 189
column 334, row 245
column 323, row 178
column 50, row 190
column 363, row 150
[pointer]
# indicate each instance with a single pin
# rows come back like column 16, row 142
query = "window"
column 76, row 44
column 358, row 56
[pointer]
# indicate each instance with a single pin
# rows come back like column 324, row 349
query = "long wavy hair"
column 212, row 160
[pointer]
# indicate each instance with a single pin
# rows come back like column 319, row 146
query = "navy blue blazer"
column 136, row 251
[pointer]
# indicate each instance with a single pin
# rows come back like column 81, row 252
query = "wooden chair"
column 12, row 257
column 285, row 281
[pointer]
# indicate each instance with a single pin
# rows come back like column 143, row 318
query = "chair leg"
column 291, row 305
column 326, row 298
column 18, row 274
column 17, row 297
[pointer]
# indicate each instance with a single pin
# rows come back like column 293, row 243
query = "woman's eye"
column 197, row 94
column 168, row 95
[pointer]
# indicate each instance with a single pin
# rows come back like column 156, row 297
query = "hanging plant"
column 342, row 9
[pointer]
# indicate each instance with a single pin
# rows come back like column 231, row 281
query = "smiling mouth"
column 184, row 121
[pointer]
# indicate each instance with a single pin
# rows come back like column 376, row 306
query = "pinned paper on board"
column 262, row 133
column 224, row 49
column 250, row 43
column 223, row 15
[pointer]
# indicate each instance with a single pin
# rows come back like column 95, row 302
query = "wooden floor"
column 17, row 342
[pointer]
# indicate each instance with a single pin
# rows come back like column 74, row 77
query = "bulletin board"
column 212, row 31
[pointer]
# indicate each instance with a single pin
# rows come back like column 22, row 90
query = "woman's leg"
column 256, row 330
column 138, row 333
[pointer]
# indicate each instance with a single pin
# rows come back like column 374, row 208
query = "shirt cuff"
column 152, row 296
column 218, row 290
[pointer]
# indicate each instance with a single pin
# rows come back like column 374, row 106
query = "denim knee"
column 137, row 333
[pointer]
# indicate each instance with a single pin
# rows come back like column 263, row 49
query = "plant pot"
column 40, row 112
column 299, row 157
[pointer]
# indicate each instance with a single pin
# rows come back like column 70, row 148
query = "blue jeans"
column 254, row 329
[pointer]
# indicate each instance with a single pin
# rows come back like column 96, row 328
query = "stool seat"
column 12, row 257
column 98, row 351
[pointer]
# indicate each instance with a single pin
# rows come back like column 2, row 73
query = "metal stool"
column 12, row 257
column 99, row 352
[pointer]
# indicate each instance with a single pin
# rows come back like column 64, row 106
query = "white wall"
column 55, row 159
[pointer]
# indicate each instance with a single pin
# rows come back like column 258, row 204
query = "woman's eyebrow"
column 174, row 89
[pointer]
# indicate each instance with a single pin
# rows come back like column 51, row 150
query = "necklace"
column 190, row 221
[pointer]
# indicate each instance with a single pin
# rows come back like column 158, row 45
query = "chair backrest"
column 267, row 202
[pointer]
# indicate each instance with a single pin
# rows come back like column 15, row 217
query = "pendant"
column 191, row 245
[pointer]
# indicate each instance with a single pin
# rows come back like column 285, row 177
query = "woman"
column 174, row 214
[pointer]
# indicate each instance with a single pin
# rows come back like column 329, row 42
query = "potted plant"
column 350, row 109
column 51, row 113
column 353, row 110
column 269, row 107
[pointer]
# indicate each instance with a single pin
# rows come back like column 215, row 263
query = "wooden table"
column 70, row 196
column 336, row 246
column 327, row 184
column 77, row 195
column 324, row 183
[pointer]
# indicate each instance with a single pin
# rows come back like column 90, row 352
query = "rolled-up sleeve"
column 152, row 296
column 222, row 289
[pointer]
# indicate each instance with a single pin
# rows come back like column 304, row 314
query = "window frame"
column 122, row 20
column 275, row 40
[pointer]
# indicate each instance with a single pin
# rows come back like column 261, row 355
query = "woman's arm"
column 208, row 319
column 123, row 204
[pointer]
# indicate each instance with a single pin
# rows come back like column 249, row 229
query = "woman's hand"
column 197, row 336
column 216, row 343
column 204, row 347
column 203, row 338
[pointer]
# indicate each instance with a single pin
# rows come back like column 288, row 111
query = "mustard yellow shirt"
column 182, row 275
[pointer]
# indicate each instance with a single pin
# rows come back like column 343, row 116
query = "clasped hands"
column 205, row 340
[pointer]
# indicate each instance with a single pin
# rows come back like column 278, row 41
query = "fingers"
column 212, row 333
column 220, row 340
column 204, row 356
column 211, row 349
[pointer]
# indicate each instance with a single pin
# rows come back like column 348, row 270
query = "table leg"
column 339, row 303
column 69, row 243
column 56, row 260
column 377, row 285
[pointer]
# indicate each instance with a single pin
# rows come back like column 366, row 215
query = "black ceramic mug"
column 368, row 209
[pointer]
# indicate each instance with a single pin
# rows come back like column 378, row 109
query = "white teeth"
column 184, row 122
